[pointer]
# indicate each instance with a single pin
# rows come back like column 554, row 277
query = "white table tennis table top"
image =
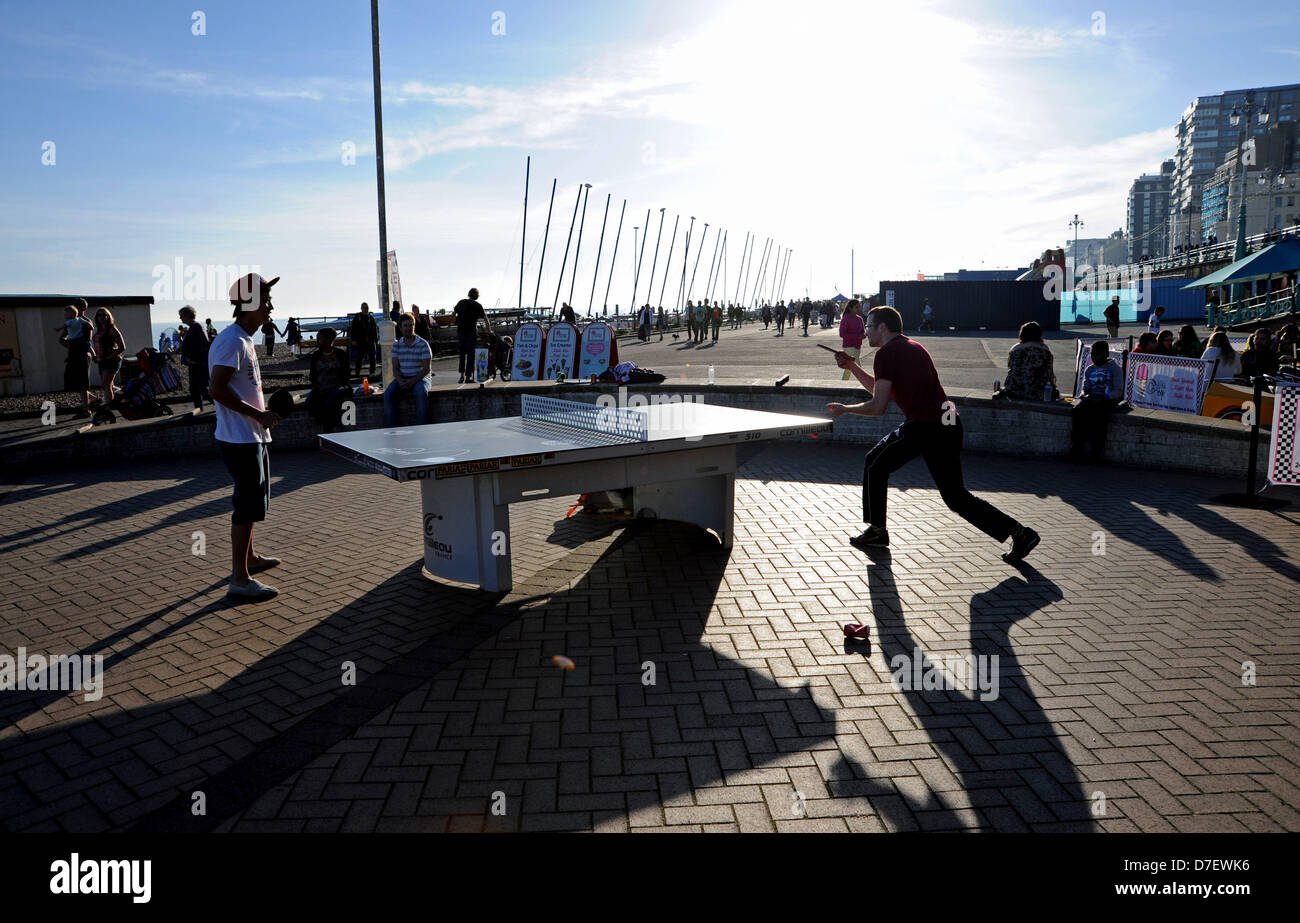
column 469, row 447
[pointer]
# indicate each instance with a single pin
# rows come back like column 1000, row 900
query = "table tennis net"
column 619, row 422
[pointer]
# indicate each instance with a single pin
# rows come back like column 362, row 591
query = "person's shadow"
column 1009, row 764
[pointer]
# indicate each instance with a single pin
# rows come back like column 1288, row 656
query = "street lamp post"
column 1074, row 269
column 1242, row 117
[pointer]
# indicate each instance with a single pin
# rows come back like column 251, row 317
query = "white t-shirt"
column 1226, row 369
column 233, row 348
column 1153, row 323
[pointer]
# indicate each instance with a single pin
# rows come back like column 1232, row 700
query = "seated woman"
column 1288, row 344
column 329, row 380
column 1165, row 343
column 1229, row 362
column 1029, row 366
column 1189, row 345
column 1259, row 357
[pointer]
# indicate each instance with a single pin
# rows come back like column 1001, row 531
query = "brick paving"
column 1120, row 706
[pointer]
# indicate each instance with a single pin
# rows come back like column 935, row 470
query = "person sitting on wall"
column 1029, row 366
column 328, row 375
column 411, row 361
column 1103, row 383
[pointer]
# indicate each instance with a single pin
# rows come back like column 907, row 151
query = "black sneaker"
column 872, row 537
column 1021, row 545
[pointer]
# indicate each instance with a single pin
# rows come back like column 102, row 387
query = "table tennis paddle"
column 281, row 403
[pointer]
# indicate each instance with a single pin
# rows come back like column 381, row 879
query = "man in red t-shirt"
column 931, row 429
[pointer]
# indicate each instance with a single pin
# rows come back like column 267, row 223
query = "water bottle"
column 712, row 378
column 1047, row 393
column 997, row 385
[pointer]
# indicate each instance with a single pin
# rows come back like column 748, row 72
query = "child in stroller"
column 150, row 374
column 501, row 351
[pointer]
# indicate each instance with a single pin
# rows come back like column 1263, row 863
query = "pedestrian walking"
column 852, row 331
column 1111, row 313
column 194, row 353
column 109, row 348
column 467, row 314
column 932, row 429
column 292, row 337
column 269, row 330
column 363, row 337
column 75, row 336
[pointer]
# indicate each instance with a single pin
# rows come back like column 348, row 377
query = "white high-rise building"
column 1206, row 136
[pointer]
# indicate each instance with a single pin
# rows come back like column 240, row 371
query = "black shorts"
column 110, row 367
column 249, row 463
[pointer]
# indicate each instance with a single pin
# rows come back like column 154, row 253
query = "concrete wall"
column 1145, row 438
column 43, row 358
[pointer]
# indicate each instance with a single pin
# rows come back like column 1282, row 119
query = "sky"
column 913, row 136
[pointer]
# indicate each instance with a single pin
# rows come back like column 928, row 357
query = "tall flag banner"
column 1284, row 448
column 394, row 282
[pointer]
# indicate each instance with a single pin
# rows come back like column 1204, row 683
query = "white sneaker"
column 253, row 591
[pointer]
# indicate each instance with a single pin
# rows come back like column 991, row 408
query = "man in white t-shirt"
column 243, row 431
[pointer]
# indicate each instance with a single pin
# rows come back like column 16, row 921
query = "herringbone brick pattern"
column 712, row 691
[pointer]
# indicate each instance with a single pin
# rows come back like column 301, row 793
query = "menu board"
column 528, row 352
column 561, row 352
column 594, row 355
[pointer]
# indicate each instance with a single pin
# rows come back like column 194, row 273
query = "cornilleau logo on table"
column 103, row 876
column 23, row 672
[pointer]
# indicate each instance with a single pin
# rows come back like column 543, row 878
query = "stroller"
column 148, row 375
column 501, row 354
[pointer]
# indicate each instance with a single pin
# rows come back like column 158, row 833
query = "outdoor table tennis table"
column 679, row 459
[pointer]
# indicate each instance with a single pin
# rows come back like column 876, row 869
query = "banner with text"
column 1171, row 383
column 394, row 283
column 561, row 352
column 528, row 352
column 1284, row 449
column 596, row 342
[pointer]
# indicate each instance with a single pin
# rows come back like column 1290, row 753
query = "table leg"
column 466, row 533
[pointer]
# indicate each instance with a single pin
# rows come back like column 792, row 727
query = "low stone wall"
column 1149, row 439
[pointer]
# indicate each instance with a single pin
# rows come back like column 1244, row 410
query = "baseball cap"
column 244, row 290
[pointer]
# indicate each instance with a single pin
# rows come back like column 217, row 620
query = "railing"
column 1222, row 251
column 1260, row 307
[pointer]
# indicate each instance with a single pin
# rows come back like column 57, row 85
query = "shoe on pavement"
column 263, row 563
column 253, row 591
column 1021, row 545
column 872, row 537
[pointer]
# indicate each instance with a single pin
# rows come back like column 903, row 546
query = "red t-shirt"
column 907, row 366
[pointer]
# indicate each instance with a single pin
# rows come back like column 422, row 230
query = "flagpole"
column 613, row 260
column 573, row 280
column 565, row 262
column 741, row 268
column 523, row 238
column 669, row 264
column 599, row 249
column 545, row 237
